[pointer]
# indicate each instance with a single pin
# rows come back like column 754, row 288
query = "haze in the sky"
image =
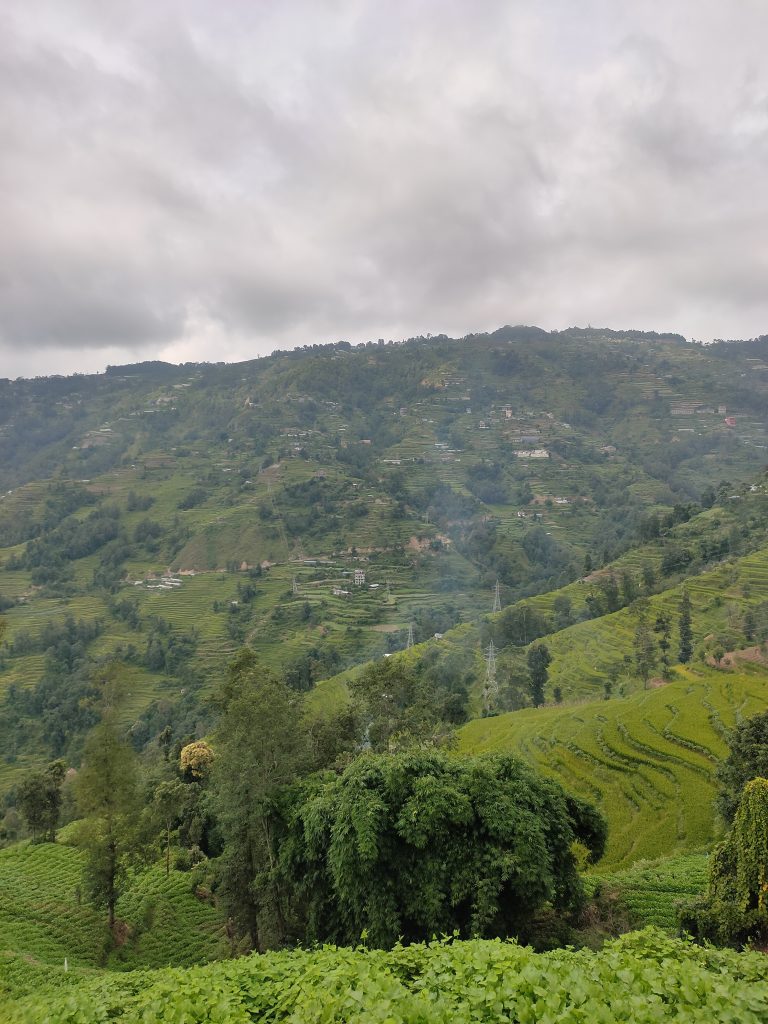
column 206, row 180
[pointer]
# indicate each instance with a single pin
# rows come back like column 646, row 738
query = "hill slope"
column 44, row 916
column 647, row 761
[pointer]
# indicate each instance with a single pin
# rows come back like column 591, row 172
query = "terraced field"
column 652, row 892
column 44, row 915
column 647, row 761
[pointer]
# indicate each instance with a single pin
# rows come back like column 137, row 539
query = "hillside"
column 165, row 515
column 45, row 918
column 647, row 760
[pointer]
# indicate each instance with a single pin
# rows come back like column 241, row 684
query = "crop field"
column 652, row 892
column 647, row 760
column 44, row 914
column 641, row 978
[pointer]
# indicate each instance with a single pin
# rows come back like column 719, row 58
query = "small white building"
column 359, row 577
column 532, row 453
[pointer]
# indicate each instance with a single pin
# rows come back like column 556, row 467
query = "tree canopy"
column 748, row 759
column 419, row 843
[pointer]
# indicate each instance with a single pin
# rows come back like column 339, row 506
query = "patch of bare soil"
column 754, row 655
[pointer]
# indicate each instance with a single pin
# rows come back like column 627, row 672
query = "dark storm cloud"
column 201, row 180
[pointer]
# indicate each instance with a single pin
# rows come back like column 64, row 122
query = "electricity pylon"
column 491, row 684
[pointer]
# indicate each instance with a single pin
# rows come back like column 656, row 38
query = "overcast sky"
column 214, row 179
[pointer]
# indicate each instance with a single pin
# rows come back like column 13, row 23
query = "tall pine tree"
column 685, row 630
column 107, row 796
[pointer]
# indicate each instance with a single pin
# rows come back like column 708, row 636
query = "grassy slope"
column 45, row 917
column 648, row 761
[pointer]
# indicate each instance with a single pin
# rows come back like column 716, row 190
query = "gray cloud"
column 197, row 180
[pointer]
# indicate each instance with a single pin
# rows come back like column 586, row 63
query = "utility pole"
column 497, row 598
column 491, row 684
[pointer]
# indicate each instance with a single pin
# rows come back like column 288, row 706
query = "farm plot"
column 648, row 760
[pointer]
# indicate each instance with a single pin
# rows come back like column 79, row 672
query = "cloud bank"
column 196, row 180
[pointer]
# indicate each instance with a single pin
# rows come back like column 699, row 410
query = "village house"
column 533, row 453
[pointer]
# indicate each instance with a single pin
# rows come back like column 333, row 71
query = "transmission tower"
column 294, row 586
column 497, row 598
column 389, row 593
column 491, row 684
column 410, row 636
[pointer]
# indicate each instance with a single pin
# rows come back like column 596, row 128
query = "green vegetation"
column 404, row 846
column 651, row 892
column 45, row 917
column 642, row 978
column 648, row 761
column 275, row 480
column 107, row 794
column 317, row 511
column 747, row 759
column 735, row 909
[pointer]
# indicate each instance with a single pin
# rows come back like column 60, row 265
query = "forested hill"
column 327, row 504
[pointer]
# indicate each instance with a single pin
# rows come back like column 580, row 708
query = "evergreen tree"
column 663, row 627
column 106, row 792
column 685, row 630
column 539, row 660
column 168, row 805
column 628, row 588
column 649, row 578
column 262, row 745
column 645, row 650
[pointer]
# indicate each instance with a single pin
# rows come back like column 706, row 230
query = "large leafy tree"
column 261, row 746
column 747, row 759
column 735, row 910
column 420, row 843
column 398, row 705
column 39, row 800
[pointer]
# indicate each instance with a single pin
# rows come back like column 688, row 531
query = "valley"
column 387, row 535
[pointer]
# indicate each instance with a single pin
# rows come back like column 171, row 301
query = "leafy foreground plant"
column 641, row 978
column 735, row 910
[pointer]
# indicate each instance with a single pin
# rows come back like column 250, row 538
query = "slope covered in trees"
column 309, row 513
column 276, row 481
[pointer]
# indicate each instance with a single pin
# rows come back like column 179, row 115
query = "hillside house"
column 532, row 453
column 359, row 578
